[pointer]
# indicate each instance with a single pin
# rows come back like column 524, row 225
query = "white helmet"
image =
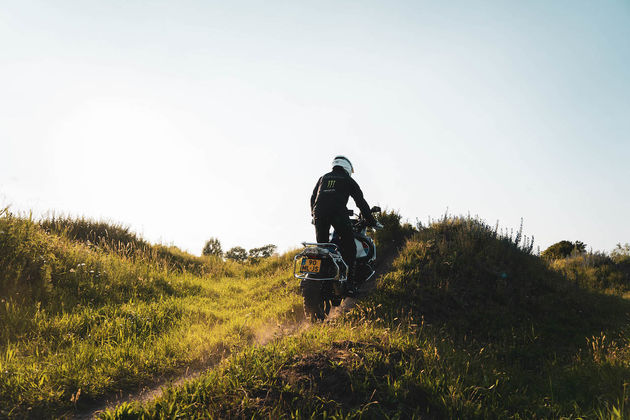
column 344, row 162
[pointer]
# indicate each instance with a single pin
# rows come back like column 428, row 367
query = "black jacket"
column 331, row 193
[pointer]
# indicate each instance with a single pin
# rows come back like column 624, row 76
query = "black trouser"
column 343, row 227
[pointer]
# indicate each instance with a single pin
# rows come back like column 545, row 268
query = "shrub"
column 256, row 254
column 621, row 254
column 212, row 247
column 236, row 253
column 596, row 271
column 563, row 249
column 393, row 234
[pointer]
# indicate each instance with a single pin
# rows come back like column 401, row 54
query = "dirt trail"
column 262, row 337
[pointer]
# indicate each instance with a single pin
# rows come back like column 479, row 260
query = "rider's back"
column 332, row 192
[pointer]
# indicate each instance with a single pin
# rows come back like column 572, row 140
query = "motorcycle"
column 324, row 273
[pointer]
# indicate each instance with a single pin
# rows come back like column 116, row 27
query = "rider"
column 328, row 207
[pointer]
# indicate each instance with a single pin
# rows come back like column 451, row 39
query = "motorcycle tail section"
column 320, row 262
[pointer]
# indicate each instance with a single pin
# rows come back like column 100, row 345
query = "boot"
column 351, row 288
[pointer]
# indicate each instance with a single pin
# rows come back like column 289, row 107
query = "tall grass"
column 468, row 324
column 595, row 271
column 116, row 238
column 96, row 233
column 81, row 319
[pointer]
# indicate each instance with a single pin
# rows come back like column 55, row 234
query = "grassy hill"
column 87, row 309
column 468, row 324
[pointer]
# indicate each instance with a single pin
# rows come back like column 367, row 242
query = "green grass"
column 468, row 324
column 118, row 239
column 596, row 271
column 79, row 321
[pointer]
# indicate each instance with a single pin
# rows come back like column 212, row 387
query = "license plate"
column 310, row 265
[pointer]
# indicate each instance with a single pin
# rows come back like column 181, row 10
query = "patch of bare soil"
column 327, row 373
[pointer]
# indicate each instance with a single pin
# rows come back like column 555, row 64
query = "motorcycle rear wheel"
column 314, row 305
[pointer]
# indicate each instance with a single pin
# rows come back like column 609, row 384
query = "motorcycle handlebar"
column 360, row 222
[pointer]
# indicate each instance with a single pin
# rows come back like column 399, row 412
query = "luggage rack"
column 320, row 246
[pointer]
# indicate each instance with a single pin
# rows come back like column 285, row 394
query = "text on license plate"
column 310, row 265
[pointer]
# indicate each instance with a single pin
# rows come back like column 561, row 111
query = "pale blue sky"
column 191, row 119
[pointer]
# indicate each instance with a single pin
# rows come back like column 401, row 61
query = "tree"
column 564, row 249
column 255, row 254
column 237, row 253
column 621, row 254
column 262, row 252
column 212, row 247
column 579, row 247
